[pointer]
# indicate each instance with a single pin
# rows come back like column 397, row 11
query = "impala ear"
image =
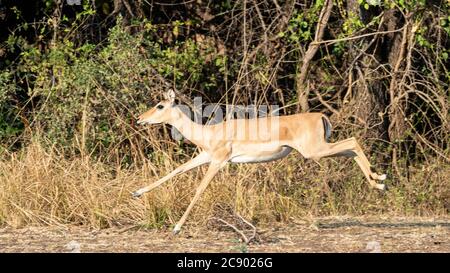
column 170, row 95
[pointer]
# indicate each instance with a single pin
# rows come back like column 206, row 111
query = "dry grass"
column 42, row 187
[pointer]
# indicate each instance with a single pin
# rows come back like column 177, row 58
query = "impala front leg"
column 212, row 171
column 200, row 159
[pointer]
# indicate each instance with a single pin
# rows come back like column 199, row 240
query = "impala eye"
column 159, row 107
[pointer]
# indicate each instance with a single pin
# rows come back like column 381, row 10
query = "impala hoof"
column 176, row 230
column 382, row 177
column 381, row 187
column 136, row 194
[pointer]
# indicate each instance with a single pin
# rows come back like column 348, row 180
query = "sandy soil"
column 337, row 234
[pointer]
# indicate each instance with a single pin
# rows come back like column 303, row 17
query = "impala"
column 232, row 141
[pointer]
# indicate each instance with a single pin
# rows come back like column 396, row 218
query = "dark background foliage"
column 75, row 76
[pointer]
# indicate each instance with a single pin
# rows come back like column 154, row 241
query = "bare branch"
column 302, row 92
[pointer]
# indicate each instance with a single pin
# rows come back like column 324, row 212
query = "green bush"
column 90, row 95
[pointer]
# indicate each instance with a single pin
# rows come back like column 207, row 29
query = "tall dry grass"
column 40, row 186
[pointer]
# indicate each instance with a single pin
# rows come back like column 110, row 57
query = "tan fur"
column 236, row 140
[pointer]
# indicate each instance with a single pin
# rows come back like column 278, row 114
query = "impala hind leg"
column 200, row 159
column 350, row 148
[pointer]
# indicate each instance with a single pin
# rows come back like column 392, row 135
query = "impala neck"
column 192, row 131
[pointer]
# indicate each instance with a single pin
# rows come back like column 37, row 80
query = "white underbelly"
column 248, row 158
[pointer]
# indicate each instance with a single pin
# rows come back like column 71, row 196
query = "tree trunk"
column 369, row 93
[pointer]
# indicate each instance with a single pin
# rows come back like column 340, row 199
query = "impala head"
column 161, row 112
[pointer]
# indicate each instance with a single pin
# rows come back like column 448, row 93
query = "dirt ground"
column 336, row 234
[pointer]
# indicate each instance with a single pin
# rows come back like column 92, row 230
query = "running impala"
column 234, row 141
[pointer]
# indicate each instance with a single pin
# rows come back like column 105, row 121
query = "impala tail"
column 327, row 128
